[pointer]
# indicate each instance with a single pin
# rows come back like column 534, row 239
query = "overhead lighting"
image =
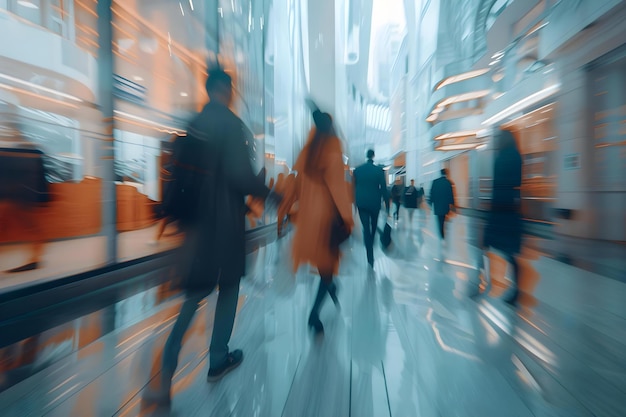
column 473, row 95
column 522, row 104
column 42, row 88
column 137, row 78
column 181, row 8
column 191, row 4
column 528, row 116
column 28, row 4
column 461, row 77
column 149, row 123
column 431, row 118
column 38, row 96
column 457, row 147
column 459, row 134
column 183, row 94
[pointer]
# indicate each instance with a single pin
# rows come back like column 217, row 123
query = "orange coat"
column 316, row 198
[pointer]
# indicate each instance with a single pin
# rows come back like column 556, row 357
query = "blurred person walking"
column 369, row 188
column 23, row 190
column 503, row 231
column 324, row 216
column 213, row 252
column 396, row 195
column 442, row 199
column 411, row 197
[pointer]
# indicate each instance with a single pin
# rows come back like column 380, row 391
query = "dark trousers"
column 369, row 220
column 222, row 328
column 442, row 221
column 396, row 214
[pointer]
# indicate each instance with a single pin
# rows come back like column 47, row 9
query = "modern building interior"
column 95, row 94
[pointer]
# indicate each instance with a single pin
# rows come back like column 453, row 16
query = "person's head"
column 505, row 139
column 413, row 183
column 370, row 154
column 219, row 86
column 323, row 122
column 444, row 172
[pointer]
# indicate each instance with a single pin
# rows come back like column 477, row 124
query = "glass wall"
column 55, row 209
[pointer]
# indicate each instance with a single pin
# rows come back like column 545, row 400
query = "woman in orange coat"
column 320, row 191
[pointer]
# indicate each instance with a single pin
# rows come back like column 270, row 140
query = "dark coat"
column 411, row 196
column 22, row 176
column 504, row 222
column 396, row 193
column 217, row 242
column 369, row 186
column 441, row 196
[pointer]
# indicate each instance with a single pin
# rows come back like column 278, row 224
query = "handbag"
column 339, row 233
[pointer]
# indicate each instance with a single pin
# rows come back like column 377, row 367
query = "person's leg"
column 174, row 341
column 411, row 211
column 225, row 311
column 161, row 228
column 365, row 216
column 326, row 283
column 442, row 220
column 512, row 294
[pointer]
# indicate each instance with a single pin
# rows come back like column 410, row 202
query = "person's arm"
column 237, row 165
column 383, row 189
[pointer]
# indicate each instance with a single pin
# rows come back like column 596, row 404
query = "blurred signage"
column 128, row 90
column 572, row 161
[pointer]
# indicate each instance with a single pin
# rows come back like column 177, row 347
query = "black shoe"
column 233, row 360
column 28, row 267
column 316, row 324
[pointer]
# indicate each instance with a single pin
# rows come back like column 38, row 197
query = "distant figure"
column 396, row 196
column 442, row 199
column 411, row 197
column 23, row 188
column 214, row 247
column 504, row 222
column 369, row 188
column 323, row 207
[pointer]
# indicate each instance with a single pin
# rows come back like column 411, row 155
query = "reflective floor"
column 407, row 341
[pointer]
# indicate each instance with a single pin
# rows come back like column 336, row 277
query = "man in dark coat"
column 214, row 247
column 369, row 188
column 442, row 199
column 504, row 222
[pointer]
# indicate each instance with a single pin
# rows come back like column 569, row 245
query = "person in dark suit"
column 411, row 198
column 369, row 188
column 504, row 222
column 442, row 199
column 214, row 248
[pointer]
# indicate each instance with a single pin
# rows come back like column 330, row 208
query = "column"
column 105, row 154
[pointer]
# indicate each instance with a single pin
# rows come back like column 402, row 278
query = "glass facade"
column 50, row 109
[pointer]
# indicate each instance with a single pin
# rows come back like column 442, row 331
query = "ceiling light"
column 137, row 78
column 28, row 4
column 456, row 147
column 461, row 77
column 183, row 94
column 42, row 88
column 460, row 134
column 522, row 104
column 191, row 4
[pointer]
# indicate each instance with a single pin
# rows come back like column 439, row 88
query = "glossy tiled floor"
column 406, row 342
